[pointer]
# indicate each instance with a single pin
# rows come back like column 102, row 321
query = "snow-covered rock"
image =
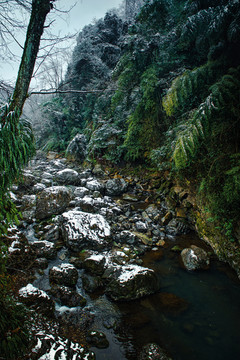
column 83, row 230
column 95, row 264
column 37, row 299
column 116, row 187
column 153, row 352
column 52, row 201
column 67, row 177
column 67, row 296
column 77, row 147
column 80, row 192
column 45, row 249
column 50, row 347
column 94, row 185
column 130, row 282
column 195, row 258
column 64, row 274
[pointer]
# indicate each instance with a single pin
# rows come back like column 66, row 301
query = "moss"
column 225, row 250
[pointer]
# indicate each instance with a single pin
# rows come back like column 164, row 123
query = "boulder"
column 94, row 185
column 51, row 346
column 141, row 226
column 78, row 147
column 95, row 264
column 195, row 258
column 127, row 237
column 130, row 282
column 153, row 352
column 92, row 283
column 97, row 339
column 37, row 299
column 67, row 177
column 45, row 249
column 37, row 188
column 115, row 187
column 89, row 204
column 82, row 230
column 80, row 192
column 28, row 207
column 52, row 201
column 178, row 227
column 27, row 180
column 67, row 296
column 64, row 274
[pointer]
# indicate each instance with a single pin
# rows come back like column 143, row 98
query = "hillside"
column 170, row 97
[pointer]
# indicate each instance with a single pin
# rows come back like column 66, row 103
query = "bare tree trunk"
column 40, row 9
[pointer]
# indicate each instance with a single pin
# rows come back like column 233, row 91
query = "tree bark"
column 40, row 9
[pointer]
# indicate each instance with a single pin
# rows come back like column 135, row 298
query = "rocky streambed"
column 113, row 274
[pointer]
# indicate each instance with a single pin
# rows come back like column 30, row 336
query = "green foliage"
column 14, row 318
column 190, row 88
column 16, row 146
column 16, row 149
column 154, row 13
column 221, row 106
column 14, row 334
column 143, row 123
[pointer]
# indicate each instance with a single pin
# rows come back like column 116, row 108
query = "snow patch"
column 29, row 290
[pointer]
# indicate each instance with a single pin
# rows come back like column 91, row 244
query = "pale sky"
column 83, row 13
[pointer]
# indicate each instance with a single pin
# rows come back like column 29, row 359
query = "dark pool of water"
column 200, row 320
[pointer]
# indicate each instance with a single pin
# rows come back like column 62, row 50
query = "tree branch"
column 70, row 91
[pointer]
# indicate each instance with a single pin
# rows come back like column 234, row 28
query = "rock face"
column 131, row 282
column 82, row 230
column 52, row 201
column 78, row 147
column 195, row 258
column 116, row 187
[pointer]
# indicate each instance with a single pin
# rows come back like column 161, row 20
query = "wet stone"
column 81, row 191
column 97, row 339
column 141, row 226
column 52, row 201
column 85, row 231
column 41, row 263
column 115, row 187
column 45, row 249
column 95, row 264
column 92, row 283
column 54, row 347
column 130, row 282
column 67, row 177
column 78, row 317
column 153, row 352
column 37, row 299
column 67, row 296
column 64, row 274
column 94, row 185
column 195, row 258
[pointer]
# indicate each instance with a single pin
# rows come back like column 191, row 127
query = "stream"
column 194, row 316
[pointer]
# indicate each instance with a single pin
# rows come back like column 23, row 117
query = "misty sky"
column 83, row 13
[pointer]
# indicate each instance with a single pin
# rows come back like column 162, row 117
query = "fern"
column 16, row 148
column 192, row 84
column 221, row 104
